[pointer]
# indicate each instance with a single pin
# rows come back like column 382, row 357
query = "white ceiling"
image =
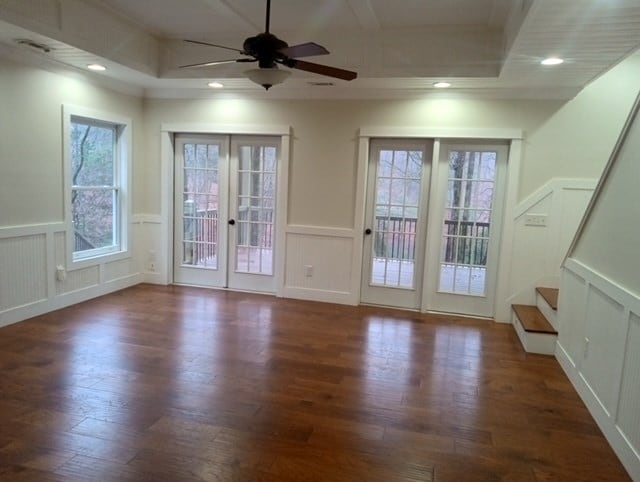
column 485, row 48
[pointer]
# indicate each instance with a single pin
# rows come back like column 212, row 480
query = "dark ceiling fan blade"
column 321, row 69
column 214, row 45
column 308, row 49
column 212, row 63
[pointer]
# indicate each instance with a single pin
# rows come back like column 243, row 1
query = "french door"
column 469, row 202
column 225, row 211
column 397, row 193
column 432, row 228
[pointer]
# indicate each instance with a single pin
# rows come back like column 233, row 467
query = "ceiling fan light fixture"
column 267, row 77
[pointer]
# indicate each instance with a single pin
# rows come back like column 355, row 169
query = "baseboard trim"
column 326, row 296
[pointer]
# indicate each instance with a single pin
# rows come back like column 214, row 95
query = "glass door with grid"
column 397, row 192
column 470, row 197
column 200, row 210
column 252, row 197
column 225, row 211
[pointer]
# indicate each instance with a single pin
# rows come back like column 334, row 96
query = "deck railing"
column 466, row 242
column 201, row 232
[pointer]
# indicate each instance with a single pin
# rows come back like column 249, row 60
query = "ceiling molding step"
column 365, row 14
column 109, row 36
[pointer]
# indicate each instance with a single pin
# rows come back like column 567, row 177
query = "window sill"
column 98, row 260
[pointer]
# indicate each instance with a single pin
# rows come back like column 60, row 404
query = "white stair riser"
column 541, row 343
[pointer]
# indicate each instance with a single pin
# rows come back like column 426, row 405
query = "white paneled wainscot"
column 599, row 349
column 320, row 264
column 30, row 282
column 544, row 225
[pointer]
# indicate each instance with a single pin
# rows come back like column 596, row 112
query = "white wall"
column 610, row 240
column 324, row 149
column 599, row 306
column 323, row 175
column 576, row 141
column 323, row 180
column 32, row 228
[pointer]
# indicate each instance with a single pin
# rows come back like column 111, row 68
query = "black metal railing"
column 466, row 242
column 80, row 243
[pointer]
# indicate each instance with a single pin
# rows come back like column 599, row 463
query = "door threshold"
column 223, row 288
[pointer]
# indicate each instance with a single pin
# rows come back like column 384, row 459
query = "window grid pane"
column 256, row 206
column 397, row 198
column 94, row 192
column 467, row 222
column 200, row 205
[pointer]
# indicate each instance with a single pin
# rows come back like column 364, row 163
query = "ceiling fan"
column 269, row 51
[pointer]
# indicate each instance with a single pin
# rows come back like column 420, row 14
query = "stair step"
column 532, row 320
column 550, row 295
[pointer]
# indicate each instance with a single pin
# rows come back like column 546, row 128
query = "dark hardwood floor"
column 180, row 384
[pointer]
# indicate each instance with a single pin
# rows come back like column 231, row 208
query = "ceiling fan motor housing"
column 265, row 48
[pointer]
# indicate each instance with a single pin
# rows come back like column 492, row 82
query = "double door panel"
column 225, row 211
column 432, row 227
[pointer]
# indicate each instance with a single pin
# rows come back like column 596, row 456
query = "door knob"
column 367, row 231
column 232, row 222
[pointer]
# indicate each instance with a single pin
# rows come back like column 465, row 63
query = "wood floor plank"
column 178, row 384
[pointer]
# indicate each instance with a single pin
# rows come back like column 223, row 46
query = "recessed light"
column 442, row 85
column 96, row 67
column 552, row 61
column 215, row 85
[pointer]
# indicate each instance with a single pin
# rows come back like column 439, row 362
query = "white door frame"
column 515, row 136
column 167, row 133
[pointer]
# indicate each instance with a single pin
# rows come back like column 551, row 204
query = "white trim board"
column 491, row 133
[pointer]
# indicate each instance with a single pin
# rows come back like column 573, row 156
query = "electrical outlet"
column 152, row 260
column 535, row 220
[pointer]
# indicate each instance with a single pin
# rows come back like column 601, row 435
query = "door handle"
column 367, row 231
column 232, row 222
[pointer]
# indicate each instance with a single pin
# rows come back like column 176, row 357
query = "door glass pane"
column 397, row 198
column 256, row 207
column 200, row 205
column 467, row 222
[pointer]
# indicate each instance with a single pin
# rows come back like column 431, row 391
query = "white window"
column 97, row 160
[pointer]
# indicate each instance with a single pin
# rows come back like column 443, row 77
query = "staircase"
column 536, row 326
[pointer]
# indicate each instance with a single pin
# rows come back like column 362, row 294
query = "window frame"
column 121, row 186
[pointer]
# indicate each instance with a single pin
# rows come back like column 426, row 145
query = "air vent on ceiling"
column 33, row 44
column 321, row 84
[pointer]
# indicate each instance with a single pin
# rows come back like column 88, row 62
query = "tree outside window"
column 94, row 190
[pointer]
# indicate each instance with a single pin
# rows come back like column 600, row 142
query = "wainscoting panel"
column 599, row 349
column 537, row 252
column 628, row 412
column 24, row 266
column 318, row 265
column 117, row 269
column 605, row 332
column 79, row 279
column 29, row 284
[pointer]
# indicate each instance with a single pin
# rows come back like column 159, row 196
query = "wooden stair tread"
column 550, row 295
column 532, row 320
